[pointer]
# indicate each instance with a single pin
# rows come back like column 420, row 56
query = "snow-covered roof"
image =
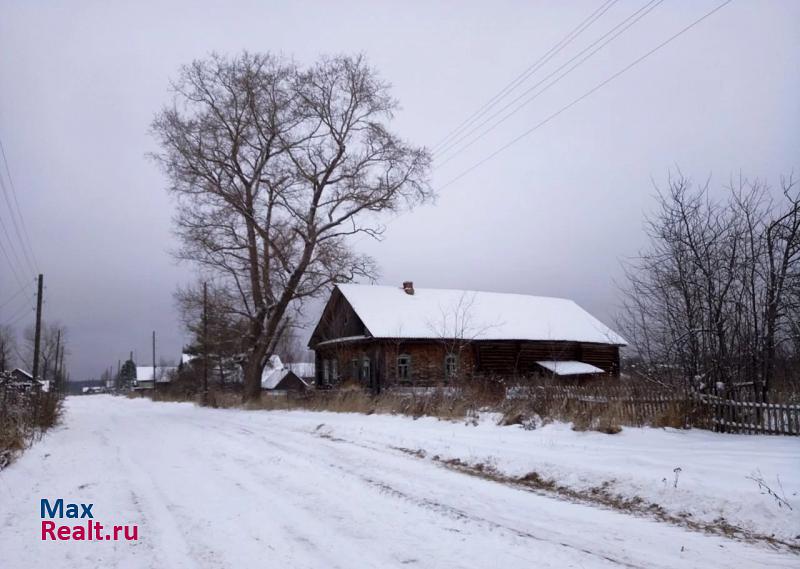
column 275, row 371
column 145, row 373
column 302, row 369
column 570, row 367
column 343, row 340
column 389, row 312
column 273, row 377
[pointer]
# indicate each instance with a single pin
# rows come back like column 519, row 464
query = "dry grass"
column 604, row 407
column 24, row 417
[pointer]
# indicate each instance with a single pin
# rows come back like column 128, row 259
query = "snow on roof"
column 302, row 369
column 23, row 372
column 343, row 340
column 272, row 377
column 145, row 373
column 275, row 371
column 389, row 312
column 569, row 367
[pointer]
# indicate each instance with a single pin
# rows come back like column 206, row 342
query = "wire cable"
column 17, row 316
column 625, row 25
column 8, row 258
column 585, row 95
column 25, row 242
column 530, row 70
column 13, row 296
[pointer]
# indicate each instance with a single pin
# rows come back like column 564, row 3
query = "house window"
column 354, row 368
column 365, row 369
column 404, row 367
column 326, row 372
column 450, row 366
column 335, row 369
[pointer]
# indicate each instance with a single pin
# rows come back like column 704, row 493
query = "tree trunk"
column 252, row 374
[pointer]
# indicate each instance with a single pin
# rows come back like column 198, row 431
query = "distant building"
column 278, row 377
column 303, row 370
column 144, row 376
column 23, row 381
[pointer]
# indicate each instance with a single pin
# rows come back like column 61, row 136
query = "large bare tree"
column 274, row 167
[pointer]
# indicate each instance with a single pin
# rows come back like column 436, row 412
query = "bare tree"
column 713, row 299
column 8, row 345
column 52, row 353
column 456, row 328
column 274, row 167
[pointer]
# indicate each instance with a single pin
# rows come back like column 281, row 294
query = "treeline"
column 715, row 298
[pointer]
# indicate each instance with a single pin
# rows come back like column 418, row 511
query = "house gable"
column 338, row 320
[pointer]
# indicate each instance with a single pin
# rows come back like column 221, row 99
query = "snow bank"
column 714, row 481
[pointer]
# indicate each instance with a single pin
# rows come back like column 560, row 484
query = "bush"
column 24, row 417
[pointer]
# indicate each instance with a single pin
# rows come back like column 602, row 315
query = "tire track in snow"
column 386, row 487
column 632, row 530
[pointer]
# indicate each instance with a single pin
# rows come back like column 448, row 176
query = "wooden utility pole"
column 205, row 343
column 57, row 382
column 38, row 337
column 155, row 380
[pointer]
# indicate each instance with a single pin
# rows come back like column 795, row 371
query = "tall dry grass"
column 24, row 417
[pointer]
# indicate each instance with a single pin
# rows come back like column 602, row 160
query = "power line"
column 17, row 316
column 530, row 70
column 585, row 95
column 26, row 242
column 620, row 29
column 6, row 255
column 13, row 296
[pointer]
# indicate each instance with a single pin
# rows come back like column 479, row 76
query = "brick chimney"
column 408, row 287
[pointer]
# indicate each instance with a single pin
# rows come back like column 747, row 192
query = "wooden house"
column 144, row 376
column 381, row 336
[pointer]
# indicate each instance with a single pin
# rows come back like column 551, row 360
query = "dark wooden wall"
column 338, row 320
column 501, row 358
column 519, row 357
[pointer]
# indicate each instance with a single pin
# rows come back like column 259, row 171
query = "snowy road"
column 214, row 488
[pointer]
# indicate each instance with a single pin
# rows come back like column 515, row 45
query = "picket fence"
column 732, row 413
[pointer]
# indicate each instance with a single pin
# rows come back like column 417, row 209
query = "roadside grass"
column 464, row 404
column 23, row 420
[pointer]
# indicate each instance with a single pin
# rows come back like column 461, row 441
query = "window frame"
column 405, row 366
column 366, row 364
column 447, row 357
column 326, row 371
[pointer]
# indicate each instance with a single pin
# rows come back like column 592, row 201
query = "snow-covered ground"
column 715, row 480
column 228, row 488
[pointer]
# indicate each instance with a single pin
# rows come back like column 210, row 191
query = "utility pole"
column 57, row 382
column 38, row 338
column 155, row 380
column 205, row 343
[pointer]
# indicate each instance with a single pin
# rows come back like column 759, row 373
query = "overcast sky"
column 553, row 215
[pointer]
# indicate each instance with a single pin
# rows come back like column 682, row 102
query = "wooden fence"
column 643, row 405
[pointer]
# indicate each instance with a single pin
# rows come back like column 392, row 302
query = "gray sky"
column 552, row 215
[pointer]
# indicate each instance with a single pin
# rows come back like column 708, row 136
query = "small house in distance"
column 144, row 376
column 383, row 335
column 279, row 377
